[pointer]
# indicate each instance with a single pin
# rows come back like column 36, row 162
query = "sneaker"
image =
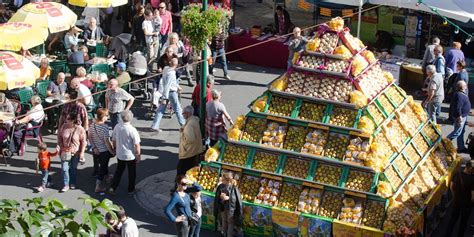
column 156, row 130
column 112, row 192
column 40, row 189
column 227, row 77
column 72, row 186
column 65, row 189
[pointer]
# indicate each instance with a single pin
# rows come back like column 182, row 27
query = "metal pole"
column 204, row 68
column 360, row 18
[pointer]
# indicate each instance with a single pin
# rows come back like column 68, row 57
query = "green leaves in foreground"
column 35, row 217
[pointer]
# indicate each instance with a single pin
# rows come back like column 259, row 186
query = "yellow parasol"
column 16, row 71
column 17, row 35
column 98, row 3
column 54, row 16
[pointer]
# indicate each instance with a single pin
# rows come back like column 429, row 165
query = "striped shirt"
column 97, row 135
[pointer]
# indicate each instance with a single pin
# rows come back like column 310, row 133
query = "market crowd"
column 151, row 42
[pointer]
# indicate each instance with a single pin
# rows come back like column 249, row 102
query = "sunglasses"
column 184, row 184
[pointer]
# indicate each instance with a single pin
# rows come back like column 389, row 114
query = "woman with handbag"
column 72, row 141
column 102, row 149
column 181, row 202
column 228, row 206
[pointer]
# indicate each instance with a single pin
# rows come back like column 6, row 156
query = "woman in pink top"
column 72, row 144
column 166, row 23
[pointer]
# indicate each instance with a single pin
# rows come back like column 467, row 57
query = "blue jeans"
column 458, row 133
column 115, row 119
column 45, row 178
column 433, row 110
column 173, row 99
column 223, row 59
column 69, row 170
column 195, row 229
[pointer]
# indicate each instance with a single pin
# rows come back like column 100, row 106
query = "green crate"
column 344, row 175
column 395, row 105
column 381, row 109
column 407, row 160
column 317, row 217
column 281, row 164
column 395, row 167
column 222, row 151
column 312, row 170
column 296, row 109
column 250, row 156
column 266, row 93
column 359, row 115
column 375, row 182
column 327, row 113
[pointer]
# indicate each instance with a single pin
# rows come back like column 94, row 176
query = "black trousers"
column 186, row 164
column 458, row 212
column 101, row 164
column 132, row 173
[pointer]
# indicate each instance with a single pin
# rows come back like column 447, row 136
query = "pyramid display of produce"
column 334, row 138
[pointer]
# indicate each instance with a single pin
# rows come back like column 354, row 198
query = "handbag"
column 67, row 155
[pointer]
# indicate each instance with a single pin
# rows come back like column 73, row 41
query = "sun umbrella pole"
column 359, row 18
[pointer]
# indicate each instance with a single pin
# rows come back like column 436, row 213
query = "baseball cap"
column 122, row 66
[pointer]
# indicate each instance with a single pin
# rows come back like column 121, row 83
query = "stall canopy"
column 461, row 10
column 345, row 2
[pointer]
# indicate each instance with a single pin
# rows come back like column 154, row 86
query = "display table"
column 406, row 72
column 269, row 54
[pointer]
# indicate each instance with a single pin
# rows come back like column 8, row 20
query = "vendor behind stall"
column 429, row 57
column 384, row 42
column 282, row 21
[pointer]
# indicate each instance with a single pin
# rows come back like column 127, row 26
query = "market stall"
column 258, row 55
column 333, row 147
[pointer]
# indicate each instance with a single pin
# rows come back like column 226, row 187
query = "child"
column 44, row 160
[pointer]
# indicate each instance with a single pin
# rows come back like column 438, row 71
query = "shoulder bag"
column 66, row 154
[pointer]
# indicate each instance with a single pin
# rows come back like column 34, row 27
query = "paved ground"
column 156, row 170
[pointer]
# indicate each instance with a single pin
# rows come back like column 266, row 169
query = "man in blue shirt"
column 458, row 111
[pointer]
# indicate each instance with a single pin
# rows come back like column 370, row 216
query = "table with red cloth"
column 268, row 54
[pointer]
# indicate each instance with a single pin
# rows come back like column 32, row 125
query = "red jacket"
column 196, row 97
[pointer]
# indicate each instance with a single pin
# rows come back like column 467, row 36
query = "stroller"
column 137, row 67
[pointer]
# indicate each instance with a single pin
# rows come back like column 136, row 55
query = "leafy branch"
column 52, row 218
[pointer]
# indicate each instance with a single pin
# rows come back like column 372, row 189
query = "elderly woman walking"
column 216, row 111
column 102, row 150
column 72, row 141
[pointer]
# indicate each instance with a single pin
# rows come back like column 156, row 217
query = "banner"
column 314, row 227
column 285, row 223
column 208, row 219
column 342, row 229
column 257, row 220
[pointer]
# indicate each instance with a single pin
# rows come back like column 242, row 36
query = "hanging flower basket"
column 200, row 26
